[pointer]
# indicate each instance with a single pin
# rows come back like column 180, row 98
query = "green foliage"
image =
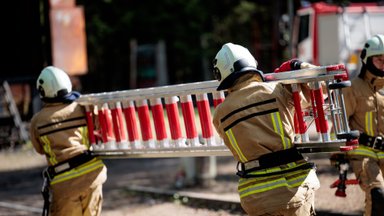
column 237, row 24
column 193, row 31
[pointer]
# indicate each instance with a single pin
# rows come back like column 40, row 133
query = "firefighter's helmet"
column 231, row 62
column 54, row 85
column 373, row 46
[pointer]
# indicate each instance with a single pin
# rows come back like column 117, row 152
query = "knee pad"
column 377, row 196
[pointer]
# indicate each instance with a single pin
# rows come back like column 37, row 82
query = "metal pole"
column 290, row 26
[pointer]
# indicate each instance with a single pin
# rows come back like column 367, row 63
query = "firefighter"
column 364, row 102
column 74, row 178
column 256, row 123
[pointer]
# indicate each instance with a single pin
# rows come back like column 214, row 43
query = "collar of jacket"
column 56, row 104
column 375, row 82
column 245, row 81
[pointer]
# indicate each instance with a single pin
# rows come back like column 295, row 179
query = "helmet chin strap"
column 373, row 69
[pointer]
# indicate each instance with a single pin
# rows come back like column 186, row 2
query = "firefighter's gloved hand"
column 305, row 65
column 293, row 64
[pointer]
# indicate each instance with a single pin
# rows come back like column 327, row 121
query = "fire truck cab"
column 326, row 34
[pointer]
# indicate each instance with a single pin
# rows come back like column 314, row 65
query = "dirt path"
column 20, row 183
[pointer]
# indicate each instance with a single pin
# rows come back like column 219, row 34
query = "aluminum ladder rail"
column 23, row 133
column 127, row 130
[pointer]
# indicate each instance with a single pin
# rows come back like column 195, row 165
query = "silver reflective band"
column 252, row 164
column 62, row 167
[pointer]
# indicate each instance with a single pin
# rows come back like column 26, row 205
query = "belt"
column 270, row 160
column 372, row 142
column 51, row 171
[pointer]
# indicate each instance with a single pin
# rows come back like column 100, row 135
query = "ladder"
column 13, row 112
column 133, row 123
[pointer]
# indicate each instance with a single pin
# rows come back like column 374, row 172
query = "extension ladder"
column 127, row 130
column 12, row 112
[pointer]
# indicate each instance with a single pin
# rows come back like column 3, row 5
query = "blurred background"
column 110, row 45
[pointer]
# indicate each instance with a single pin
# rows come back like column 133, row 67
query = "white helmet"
column 373, row 46
column 231, row 62
column 53, row 83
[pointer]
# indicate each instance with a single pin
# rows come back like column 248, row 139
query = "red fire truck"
column 325, row 34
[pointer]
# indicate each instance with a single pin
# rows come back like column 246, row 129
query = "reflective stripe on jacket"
column 78, row 171
column 257, row 185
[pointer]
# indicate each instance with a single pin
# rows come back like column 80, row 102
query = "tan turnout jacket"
column 364, row 102
column 256, row 119
column 59, row 132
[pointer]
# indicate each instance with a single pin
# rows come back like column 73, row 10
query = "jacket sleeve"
column 35, row 138
column 216, row 122
column 349, row 101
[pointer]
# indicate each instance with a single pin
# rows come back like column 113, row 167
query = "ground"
column 20, row 185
